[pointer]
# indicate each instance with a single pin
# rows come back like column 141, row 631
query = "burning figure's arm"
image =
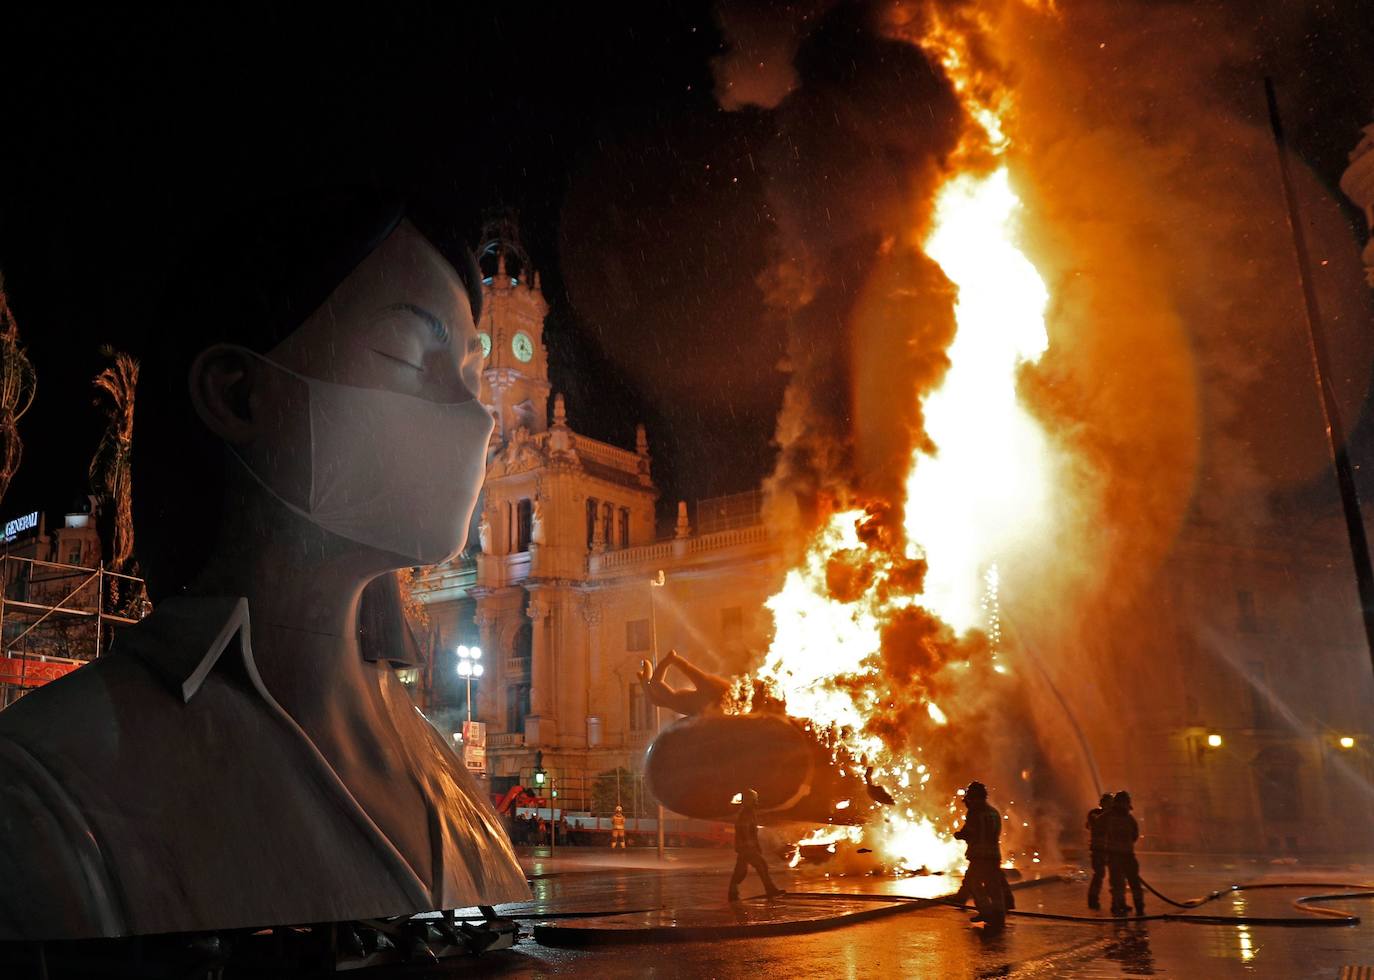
column 707, row 692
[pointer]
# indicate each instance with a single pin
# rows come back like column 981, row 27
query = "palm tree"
column 17, row 386
column 110, row 467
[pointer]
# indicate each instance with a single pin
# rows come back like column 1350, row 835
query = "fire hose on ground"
column 1316, row 915
column 619, row 931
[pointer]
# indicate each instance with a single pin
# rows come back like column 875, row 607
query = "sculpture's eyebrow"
column 437, row 325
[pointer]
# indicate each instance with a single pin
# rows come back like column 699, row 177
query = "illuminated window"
column 523, row 522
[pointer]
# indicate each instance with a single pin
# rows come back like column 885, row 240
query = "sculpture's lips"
column 697, row 765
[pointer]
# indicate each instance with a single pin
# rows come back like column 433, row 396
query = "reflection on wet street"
column 926, row 942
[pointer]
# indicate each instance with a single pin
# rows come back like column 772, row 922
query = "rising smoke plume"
column 855, row 155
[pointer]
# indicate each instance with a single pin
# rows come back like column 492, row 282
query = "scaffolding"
column 55, row 617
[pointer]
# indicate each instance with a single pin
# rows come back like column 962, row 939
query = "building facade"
column 1243, row 686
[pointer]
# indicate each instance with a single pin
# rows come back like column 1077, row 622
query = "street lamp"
column 656, row 583
column 469, row 666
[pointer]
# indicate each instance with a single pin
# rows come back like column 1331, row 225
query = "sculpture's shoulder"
column 65, row 714
column 54, row 878
column 89, row 769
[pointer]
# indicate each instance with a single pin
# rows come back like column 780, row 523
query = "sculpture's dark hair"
column 250, row 280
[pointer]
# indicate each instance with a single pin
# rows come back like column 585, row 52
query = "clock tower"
column 515, row 372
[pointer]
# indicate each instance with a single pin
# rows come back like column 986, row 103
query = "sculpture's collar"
column 183, row 638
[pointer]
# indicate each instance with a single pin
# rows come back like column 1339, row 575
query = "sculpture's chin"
column 696, row 766
column 441, row 541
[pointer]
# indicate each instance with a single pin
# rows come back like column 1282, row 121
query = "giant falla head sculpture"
column 317, row 358
column 307, row 421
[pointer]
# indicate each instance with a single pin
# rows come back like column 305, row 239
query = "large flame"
column 984, row 493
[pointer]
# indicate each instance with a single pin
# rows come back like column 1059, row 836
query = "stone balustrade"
column 754, row 534
column 600, row 452
column 661, row 552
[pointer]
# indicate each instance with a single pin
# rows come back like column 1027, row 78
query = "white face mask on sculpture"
column 391, row 471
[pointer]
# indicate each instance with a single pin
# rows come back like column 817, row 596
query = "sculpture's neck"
column 303, row 588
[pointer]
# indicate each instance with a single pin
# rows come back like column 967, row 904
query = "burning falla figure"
column 696, row 765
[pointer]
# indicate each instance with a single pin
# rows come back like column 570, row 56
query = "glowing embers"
column 892, row 844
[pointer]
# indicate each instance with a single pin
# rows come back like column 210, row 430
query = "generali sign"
column 19, row 525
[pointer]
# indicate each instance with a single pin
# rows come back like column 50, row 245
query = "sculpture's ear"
column 222, row 381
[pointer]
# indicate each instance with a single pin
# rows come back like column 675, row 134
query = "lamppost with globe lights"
column 469, row 666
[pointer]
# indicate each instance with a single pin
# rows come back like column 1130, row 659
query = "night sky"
column 646, row 205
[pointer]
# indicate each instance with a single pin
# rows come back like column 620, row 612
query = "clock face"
column 522, row 346
column 485, row 338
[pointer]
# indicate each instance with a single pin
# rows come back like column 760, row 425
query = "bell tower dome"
column 515, row 373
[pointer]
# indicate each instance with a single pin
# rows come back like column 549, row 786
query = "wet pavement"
column 920, row 940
